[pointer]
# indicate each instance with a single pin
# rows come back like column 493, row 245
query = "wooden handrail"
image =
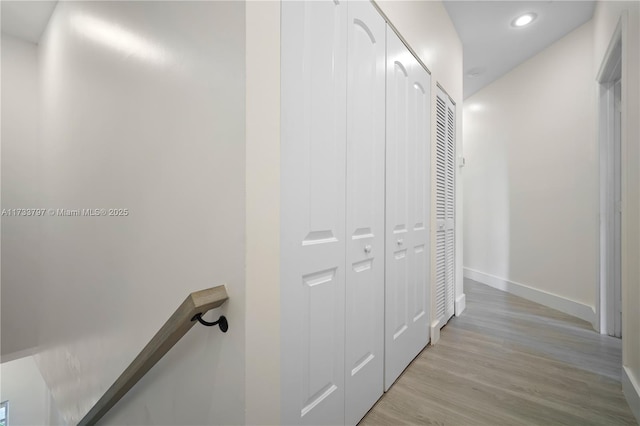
column 176, row 326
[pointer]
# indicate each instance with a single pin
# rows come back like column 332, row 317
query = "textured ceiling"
column 493, row 47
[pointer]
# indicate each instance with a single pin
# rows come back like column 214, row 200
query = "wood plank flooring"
column 508, row 361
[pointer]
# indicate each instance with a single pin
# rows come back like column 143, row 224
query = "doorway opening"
column 611, row 106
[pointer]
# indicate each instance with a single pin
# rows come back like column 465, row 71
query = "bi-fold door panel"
column 313, row 161
column 365, row 210
column 332, row 210
column 450, row 210
column 335, row 110
column 407, row 212
column 445, row 208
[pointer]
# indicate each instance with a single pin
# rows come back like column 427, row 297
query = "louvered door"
column 445, row 207
column 450, row 211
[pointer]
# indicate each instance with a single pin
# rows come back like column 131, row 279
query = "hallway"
column 509, row 361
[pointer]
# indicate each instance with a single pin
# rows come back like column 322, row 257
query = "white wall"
column 263, row 213
column 20, row 273
column 531, row 178
column 22, row 385
column 427, row 28
column 143, row 108
column 606, row 18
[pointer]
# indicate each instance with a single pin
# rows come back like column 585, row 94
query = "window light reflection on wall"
column 119, row 38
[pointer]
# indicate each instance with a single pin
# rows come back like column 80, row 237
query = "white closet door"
column 313, row 152
column 365, row 210
column 407, row 209
column 445, row 208
column 450, row 210
column 617, row 214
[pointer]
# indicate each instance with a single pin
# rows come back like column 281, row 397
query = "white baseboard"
column 571, row 307
column 435, row 332
column 461, row 304
column 631, row 390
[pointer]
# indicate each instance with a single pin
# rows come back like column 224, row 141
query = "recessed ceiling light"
column 524, row 20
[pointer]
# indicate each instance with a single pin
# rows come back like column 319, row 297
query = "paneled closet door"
column 365, row 210
column 313, row 155
column 445, row 207
column 407, row 209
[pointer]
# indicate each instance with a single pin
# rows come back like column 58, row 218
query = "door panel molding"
column 407, row 274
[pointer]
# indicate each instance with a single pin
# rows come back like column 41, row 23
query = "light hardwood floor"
column 508, row 361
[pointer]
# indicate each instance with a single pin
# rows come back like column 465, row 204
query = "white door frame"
column 610, row 266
